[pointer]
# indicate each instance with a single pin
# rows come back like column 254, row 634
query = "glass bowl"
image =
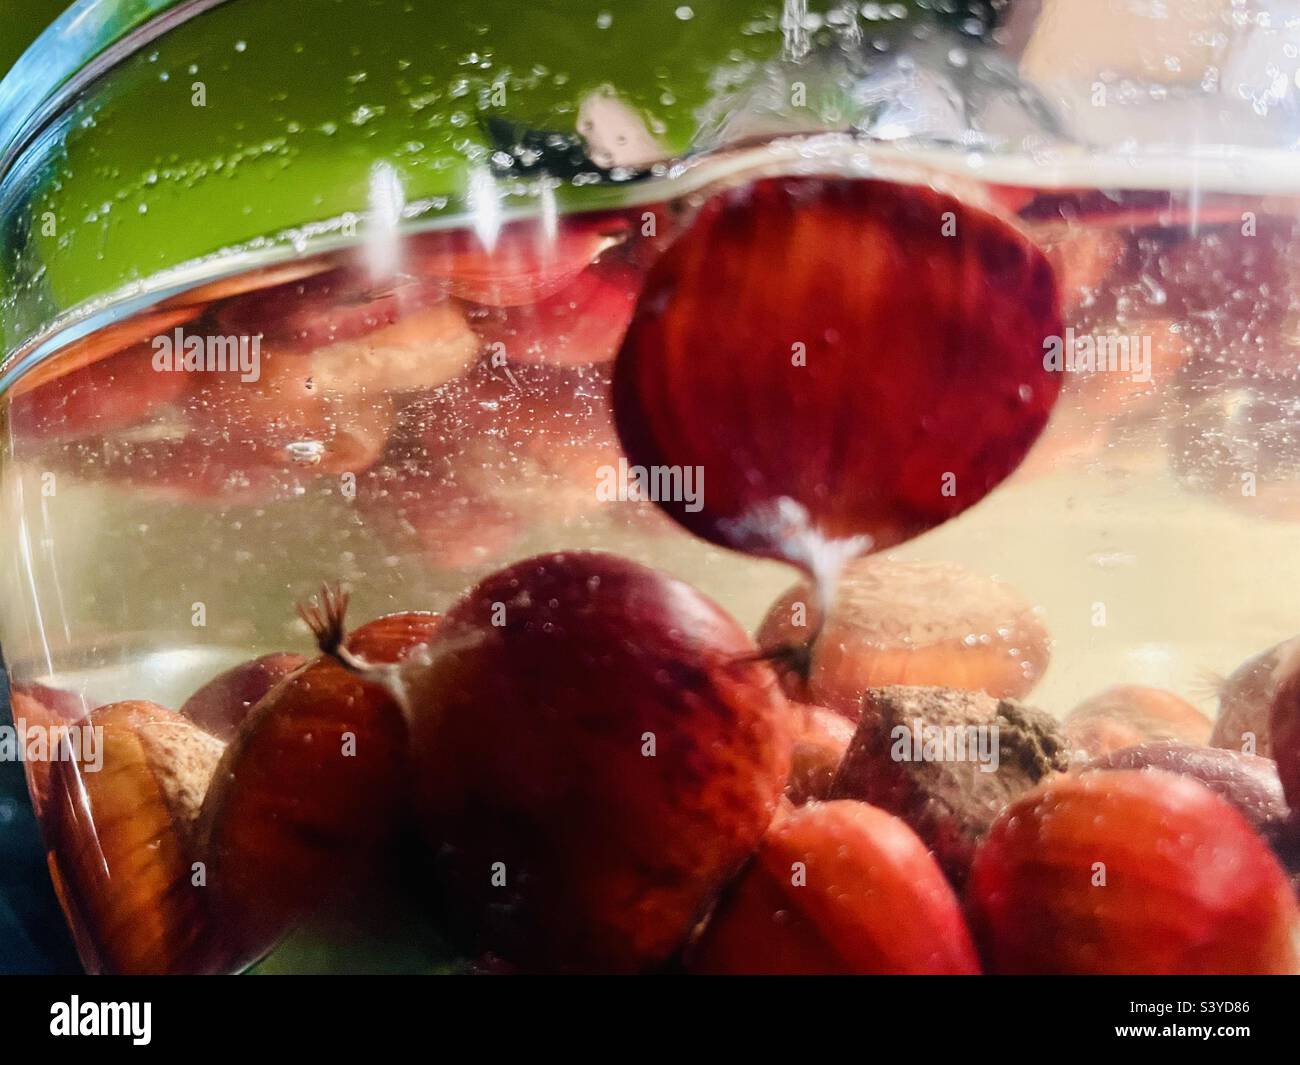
column 305, row 294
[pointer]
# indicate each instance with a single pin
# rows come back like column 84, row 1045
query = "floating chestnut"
column 837, row 888
column 473, row 464
column 418, row 351
column 582, row 323
column 441, row 484
column 112, row 393
column 1083, row 259
column 275, row 276
column 189, row 470
column 902, row 622
column 849, row 362
column 1231, row 287
column 284, row 418
column 112, row 339
column 523, row 263
column 1130, row 872
column 337, row 305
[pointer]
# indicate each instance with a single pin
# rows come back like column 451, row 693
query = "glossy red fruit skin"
column 1190, row 887
column 289, row 821
column 391, row 637
column 924, row 384
column 873, row 902
column 1247, row 781
column 528, row 741
column 220, row 705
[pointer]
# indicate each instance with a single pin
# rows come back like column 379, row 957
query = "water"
column 424, row 413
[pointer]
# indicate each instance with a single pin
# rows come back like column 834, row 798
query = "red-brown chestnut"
column 838, row 888
column 310, row 789
column 1130, row 872
column 596, row 749
column 124, row 857
column 850, row 362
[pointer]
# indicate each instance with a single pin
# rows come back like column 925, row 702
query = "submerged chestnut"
column 596, row 749
column 908, row 622
column 1130, row 872
column 309, row 791
column 838, row 888
column 124, row 853
column 1247, row 781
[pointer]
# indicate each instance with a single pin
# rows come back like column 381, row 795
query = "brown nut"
column 119, row 822
column 915, row 623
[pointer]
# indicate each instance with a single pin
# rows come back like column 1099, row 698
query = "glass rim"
column 89, row 38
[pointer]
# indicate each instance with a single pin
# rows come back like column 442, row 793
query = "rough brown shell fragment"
column 947, row 762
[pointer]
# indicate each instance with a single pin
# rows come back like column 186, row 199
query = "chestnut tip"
column 325, row 615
